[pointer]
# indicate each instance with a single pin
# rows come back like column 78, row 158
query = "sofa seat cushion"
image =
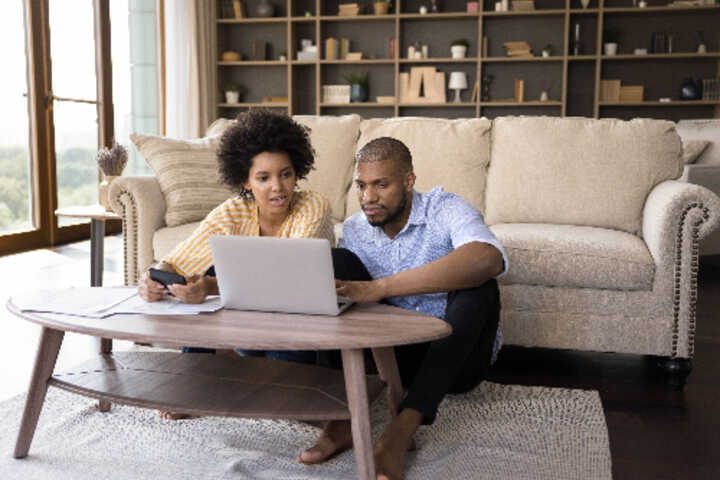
column 453, row 154
column 575, row 256
column 166, row 239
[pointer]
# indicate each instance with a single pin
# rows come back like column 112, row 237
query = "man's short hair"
column 386, row 148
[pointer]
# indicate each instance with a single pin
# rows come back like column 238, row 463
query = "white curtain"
column 189, row 69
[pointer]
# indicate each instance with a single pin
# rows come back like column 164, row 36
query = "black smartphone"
column 166, row 278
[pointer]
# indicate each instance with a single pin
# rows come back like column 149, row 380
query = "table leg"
column 97, row 257
column 389, row 373
column 105, row 347
column 50, row 341
column 356, row 387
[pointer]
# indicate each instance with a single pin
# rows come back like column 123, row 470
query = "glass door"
column 16, row 173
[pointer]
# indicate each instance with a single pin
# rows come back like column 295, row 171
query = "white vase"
column 232, row 97
column 458, row 51
column 611, row 49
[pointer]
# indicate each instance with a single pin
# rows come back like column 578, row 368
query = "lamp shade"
column 458, row 80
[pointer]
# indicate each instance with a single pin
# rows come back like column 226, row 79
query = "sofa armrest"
column 677, row 215
column 141, row 204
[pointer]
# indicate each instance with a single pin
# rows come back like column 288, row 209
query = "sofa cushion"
column 692, row 149
column 333, row 139
column 166, row 239
column 572, row 256
column 453, row 154
column 187, row 172
column 578, row 171
column 703, row 129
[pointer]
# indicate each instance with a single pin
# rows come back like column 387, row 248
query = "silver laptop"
column 292, row 275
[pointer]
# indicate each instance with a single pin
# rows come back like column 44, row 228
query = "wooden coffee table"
column 219, row 385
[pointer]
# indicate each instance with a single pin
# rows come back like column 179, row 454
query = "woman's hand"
column 150, row 290
column 194, row 292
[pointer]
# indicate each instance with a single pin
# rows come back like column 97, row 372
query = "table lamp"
column 458, row 81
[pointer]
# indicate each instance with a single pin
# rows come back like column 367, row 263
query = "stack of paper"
column 100, row 302
column 517, row 49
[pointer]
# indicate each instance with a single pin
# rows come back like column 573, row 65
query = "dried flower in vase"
column 112, row 161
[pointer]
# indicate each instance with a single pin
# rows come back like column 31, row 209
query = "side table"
column 97, row 215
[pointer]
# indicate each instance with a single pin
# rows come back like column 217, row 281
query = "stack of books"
column 523, row 5
column 518, row 49
column 348, row 9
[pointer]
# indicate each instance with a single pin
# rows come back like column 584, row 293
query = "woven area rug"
column 495, row 432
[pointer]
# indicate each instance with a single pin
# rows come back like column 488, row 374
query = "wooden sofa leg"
column 676, row 371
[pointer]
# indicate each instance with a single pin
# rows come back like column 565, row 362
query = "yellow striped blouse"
column 309, row 217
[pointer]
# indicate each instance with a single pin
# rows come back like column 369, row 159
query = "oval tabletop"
column 364, row 325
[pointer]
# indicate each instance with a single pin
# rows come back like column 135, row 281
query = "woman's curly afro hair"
column 258, row 131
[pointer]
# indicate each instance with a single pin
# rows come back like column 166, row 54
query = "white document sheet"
column 99, row 302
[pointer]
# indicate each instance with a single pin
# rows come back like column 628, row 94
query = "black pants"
column 454, row 364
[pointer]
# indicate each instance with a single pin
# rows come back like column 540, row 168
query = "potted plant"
column 458, row 48
column 610, row 40
column 381, row 7
column 547, row 50
column 234, row 92
column 358, row 86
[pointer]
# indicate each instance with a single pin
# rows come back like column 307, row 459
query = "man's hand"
column 150, row 290
column 360, row 291
column 194, row 292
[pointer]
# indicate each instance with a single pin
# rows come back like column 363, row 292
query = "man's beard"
column 392, row 216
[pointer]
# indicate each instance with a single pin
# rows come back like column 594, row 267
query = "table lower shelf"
column 214, row 385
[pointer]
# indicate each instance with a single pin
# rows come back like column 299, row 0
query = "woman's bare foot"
column 335, row 438
column 394, row 443
column 173, row 416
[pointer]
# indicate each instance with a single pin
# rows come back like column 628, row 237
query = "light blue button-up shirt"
column 439, row 223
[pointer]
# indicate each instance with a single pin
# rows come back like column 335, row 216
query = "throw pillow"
column 692, row 149
column 188, row 174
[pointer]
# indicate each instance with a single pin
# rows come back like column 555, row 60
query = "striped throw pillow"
column 187, row 171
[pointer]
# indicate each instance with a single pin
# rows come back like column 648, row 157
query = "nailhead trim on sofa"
column 123, row 198
column 694, row 264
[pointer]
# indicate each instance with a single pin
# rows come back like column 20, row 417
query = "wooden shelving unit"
column 573, row 81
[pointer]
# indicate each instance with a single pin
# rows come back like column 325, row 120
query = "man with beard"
column 427, row 252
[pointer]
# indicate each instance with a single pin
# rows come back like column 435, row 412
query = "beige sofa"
column 602, row 240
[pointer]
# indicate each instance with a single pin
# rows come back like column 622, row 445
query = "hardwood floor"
column 654, row 433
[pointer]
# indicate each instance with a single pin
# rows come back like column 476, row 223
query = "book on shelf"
column 344, row 48
column 331, row 48
column 631, row 93
column 336, row 93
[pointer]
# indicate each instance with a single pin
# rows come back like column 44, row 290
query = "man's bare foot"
column 394, row 443
column 335, row 438
column 173, row 416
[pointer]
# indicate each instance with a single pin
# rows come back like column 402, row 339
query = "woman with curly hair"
column 262, row 155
